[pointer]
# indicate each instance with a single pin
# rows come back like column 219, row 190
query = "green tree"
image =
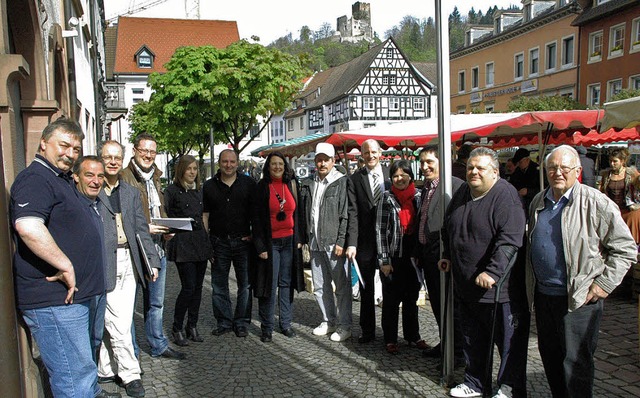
column 232, row 91
column 543, row 103
column 626, row 93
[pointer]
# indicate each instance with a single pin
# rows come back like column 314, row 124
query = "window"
column 144, row 59
column 518, row 66
column 567, row 51
column 394, row 103
column 488, row 108
column 301, row 122
column 598, row 2
column 368, row 104
column 614, row 87
column 593, row 94
column 551, row 51
column 635, row 34
column 489, row 74
column 255, row 130
column 389, row 80
column 634, row 82
column 461, row 82
column 389, row 52
column 138, row 91
column 289, row 124
column 534, row 61
column 616, row 40
column 475, row 77
column 595, row 46
column 461, row 110
column 418, row 104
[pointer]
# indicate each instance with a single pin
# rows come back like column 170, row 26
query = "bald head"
column 371, row 153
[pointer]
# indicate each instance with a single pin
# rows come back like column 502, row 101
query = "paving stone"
column 314, row 366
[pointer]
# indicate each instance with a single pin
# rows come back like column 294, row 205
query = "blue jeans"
column 97, row 309
column 282, row 258
column 153, row 297
column 62, row 334
column 227, row 251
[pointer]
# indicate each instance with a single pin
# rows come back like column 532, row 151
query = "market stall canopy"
column 299, row 146
column 532, row 123
column 621, row 114
column 593, row 137
column 411, row 134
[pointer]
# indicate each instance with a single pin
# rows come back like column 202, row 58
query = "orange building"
column 530, row 52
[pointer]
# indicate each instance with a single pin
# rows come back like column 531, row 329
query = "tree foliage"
column 232, row 92
column 543, row 103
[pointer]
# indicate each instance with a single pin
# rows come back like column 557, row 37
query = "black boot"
column 192, row 334
column 178, row 338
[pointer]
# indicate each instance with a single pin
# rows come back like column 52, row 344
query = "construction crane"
column 190, row 6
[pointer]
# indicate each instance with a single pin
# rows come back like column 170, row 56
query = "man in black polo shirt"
column 58, row 262
column 228, row 202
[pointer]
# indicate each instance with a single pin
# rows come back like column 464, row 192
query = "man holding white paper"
column 325, row 204
column 143, row 174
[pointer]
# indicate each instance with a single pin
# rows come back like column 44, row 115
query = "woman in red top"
column 277, row 239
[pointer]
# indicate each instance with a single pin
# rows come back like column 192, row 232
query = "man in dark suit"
column 123, row 218
column 365, row 189
column 430, row 224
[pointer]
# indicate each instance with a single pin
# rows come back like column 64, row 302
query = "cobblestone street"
column 312, row 366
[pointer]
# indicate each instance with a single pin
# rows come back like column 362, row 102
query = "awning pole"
column 444, row 151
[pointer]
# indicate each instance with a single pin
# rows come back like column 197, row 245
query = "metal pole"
column 444, row 138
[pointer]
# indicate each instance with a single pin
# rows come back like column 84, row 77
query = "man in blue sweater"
column 483, row 229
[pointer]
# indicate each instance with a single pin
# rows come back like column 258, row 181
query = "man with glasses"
column 144, row 175
column 579, row 250
column 482, row 232
column 123, row 219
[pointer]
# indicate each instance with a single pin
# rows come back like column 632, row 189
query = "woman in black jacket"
column 190, row 250
column 276, row 237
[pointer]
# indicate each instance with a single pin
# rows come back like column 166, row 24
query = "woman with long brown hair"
column 190, row 250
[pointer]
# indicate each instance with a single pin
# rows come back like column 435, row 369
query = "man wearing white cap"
column 325, row 208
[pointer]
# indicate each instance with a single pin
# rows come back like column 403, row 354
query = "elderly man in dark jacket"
column 124, row 221
column 325, row 204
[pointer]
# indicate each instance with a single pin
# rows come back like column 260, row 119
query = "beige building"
column 531, row 52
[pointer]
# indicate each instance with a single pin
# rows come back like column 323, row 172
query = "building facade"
column 532, row 52
column 379, row 87
column 51, row 66
column 609, row 49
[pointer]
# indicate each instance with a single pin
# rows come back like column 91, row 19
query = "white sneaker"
column 340, row 335
column 501, row 393
column 463, row 391
column 323, row 329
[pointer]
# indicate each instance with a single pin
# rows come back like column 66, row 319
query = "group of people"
column 76, row 276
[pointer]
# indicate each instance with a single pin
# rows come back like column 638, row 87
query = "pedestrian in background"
column 526, row 177
column 278, row 271
column 190, row 250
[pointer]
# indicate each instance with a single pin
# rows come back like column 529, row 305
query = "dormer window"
column 144, row 58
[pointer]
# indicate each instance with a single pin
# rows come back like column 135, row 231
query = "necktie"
column 376, row 189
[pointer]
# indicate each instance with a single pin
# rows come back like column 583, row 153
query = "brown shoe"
column 420, row 344
column 392, row 348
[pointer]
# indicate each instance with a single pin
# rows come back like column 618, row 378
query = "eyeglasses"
column 146, row 152
column 563, row 169
column 117, row 159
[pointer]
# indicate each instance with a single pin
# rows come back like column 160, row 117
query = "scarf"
column 407, row 210
column 152, row 192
